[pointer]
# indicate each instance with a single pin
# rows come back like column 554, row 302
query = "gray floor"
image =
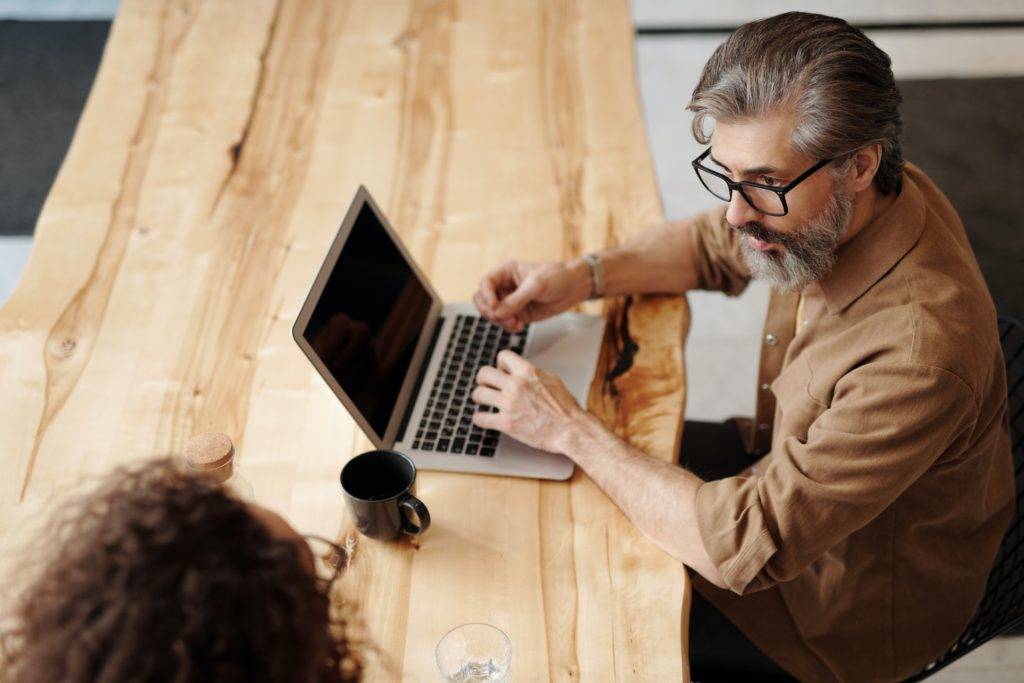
column 46, row 72
column 13, row 257
column 58, row 10
column 724, row 340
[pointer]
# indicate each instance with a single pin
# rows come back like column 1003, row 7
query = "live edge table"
column 218, row 150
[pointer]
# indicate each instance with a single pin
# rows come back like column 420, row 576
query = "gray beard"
column 809, row 254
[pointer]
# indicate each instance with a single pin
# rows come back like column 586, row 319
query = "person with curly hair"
column 159, row 575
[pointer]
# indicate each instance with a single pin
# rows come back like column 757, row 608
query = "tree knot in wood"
column 626, row 347
column 402, row 40
column 66, row 347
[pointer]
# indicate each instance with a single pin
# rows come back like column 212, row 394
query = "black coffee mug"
column 379, row 487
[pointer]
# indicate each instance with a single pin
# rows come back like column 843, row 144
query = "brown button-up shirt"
column 859, row 547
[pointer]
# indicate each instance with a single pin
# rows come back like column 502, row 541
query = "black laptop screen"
column 370, row 314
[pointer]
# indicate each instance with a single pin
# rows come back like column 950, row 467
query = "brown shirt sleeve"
column 719, row 258
column 885, row 426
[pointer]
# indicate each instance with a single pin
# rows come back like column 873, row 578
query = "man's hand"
column 659, row 497
column 533, row 406
column 518, row 292
column 661, row 259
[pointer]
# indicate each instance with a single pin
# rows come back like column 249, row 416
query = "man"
column 858, row 547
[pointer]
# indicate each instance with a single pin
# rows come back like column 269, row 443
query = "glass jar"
column 212, row 455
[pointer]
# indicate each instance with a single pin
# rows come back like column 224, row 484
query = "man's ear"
column 865, row 166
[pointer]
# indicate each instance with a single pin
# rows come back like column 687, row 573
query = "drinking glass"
column 474, row 652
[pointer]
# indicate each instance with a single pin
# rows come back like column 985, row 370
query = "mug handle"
column 413, row 504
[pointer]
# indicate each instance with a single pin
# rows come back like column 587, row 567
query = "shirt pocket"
column 796, row 408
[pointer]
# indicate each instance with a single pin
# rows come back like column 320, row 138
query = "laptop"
column 404, row 363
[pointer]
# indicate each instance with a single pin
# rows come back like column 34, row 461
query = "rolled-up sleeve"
column 719, row 263
column 886, row 424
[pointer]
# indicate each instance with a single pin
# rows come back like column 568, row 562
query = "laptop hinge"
column 419, row 379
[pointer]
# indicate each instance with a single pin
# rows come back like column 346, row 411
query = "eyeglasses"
column 329, row 559
column 767, row 199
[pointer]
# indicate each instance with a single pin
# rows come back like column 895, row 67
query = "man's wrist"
column 583, row 285
column 618, row 265
column 582, row 435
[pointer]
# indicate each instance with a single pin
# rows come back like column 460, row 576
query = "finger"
column 492, row 377
column 510, row 323
column 514, row 364
column 486, row 396
column 523, row 295
column 481, row 305
column 500, row 279
column 488, row 420
column 486, row 293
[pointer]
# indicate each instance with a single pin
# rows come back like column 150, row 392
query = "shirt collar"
column 879, row 246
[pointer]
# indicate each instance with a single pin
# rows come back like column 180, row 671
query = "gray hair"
column 835, row 80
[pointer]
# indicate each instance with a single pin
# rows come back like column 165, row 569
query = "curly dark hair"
column 160, row 576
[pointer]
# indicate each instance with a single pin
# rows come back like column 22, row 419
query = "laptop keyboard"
column 447, row 424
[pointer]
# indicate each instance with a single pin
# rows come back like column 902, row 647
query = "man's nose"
column 740, row 211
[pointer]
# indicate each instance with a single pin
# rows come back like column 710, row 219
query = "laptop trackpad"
column 568, row 346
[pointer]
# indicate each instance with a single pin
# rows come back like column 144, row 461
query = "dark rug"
column 965, row 134
column 46, row 70
column 962, row 132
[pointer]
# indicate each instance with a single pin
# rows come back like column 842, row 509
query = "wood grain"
column 216, row 154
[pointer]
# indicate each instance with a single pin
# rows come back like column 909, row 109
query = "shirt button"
column 770, row 339
column 762, row 427
column 765, row 387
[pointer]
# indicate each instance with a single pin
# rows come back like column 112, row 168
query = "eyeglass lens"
column 328, row 558
column 765, row 201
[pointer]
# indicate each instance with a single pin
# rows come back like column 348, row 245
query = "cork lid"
column 208, row 451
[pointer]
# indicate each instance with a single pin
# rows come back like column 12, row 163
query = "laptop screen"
column 369, row 316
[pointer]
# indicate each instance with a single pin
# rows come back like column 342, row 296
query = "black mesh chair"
column 1002, row 607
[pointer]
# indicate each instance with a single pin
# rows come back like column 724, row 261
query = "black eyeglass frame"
column 340, row 560
column 739, row 185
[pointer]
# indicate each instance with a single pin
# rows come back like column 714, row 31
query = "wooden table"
column 218, row 150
